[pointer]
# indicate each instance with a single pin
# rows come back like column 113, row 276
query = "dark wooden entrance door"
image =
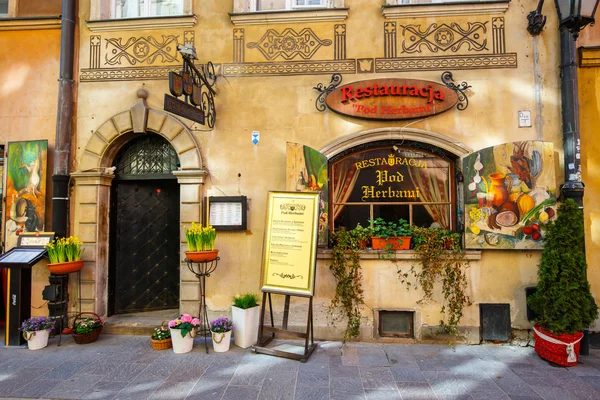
column 145, row 245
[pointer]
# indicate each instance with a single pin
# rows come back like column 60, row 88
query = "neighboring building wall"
column 511, row 71
column 29, row 69
column 589, row 117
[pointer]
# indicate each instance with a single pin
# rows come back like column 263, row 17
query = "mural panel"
column 306, row 171
column 25, row 189
column 510, row 194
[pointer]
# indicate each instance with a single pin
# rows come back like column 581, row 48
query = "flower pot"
column 201, row 256
column 86, row 338
column 66, row 267
column 36, row 340
column 245, row 326
column 161, row 344
column 396, row 243
column 221, row 341
column 181, row 344
column 558, row 349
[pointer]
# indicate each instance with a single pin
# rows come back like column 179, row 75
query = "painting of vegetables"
column 510, row 194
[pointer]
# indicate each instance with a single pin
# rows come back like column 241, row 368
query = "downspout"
column 573, row 187
column 64, row 117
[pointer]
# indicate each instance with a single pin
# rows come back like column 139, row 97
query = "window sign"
column 392, row 183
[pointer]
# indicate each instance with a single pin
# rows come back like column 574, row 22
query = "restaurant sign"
column 392, row 98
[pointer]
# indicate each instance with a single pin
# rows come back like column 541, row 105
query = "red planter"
column 397, row 243
column 66, row 267
column 557, row 353
column 201, row 256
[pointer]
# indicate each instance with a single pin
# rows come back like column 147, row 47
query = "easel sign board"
column 290, row 244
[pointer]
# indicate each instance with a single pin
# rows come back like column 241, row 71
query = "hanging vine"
column 440, row 259
column 348, row 275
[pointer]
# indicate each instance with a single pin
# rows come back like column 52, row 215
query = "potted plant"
column 563, row 301
column 201, row 243
column 348, row 299
column 36, row 330
column 161, row 337
column 65, row 255
column 245, row 314
column 389, row 235
column 86, row 329
column 183, row 332
column 440, row 260
column 363, row 235
column 220, row 330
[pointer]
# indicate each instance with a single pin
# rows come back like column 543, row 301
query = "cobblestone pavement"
column 126, row 367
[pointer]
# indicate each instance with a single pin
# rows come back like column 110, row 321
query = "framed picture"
column 290, row 244
column 227, row 213
column 25, row 190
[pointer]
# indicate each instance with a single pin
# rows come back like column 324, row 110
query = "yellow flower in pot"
column 201, row 243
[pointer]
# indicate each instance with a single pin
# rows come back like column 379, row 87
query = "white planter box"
column 245, row 326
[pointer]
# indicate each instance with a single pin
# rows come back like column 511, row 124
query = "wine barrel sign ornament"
column 391, row 99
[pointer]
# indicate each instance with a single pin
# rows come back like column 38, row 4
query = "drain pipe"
column 64, row 126
column 573, row 187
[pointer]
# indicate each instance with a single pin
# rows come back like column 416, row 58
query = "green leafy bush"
column 245, row 301
column 386, row 229
column 563, row 301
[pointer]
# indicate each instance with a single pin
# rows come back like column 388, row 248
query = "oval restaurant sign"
column 391, row 99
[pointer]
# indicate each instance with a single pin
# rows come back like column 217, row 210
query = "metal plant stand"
column 202, row 270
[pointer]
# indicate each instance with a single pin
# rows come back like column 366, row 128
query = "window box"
column 396, row 243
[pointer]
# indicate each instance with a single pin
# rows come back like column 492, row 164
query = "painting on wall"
column 510, row 194
column 25, row 189
column 306, row 171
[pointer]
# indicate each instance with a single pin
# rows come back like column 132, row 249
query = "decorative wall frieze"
column 444, row 37
column 290, row 68
column 289, row 44
column 484, row 61
column 134, row 57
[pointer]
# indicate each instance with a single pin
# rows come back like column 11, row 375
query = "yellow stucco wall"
column 282, row 109
column 589, row 103
column 29, row 71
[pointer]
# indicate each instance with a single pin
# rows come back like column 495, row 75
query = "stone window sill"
column 401, row 255
column 29, row 23
column 443, row 10
column 135, row 24
column 289, row 16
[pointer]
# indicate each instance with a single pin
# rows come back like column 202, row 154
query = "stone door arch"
column 91, row 197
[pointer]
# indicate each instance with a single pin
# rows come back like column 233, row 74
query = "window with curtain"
column 392, row 182
column 146, row 8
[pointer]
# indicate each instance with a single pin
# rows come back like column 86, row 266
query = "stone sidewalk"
column 126, row 367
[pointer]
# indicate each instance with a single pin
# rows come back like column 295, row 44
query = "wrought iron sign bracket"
column 196, row 85
column 336, row 79
column 463, row 100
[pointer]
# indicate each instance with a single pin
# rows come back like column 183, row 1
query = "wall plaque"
column 290, row 246
column 391, row 99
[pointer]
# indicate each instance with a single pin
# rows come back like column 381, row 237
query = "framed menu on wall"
column 227, row 213
column 290, row 244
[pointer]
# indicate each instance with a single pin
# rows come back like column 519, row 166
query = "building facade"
column 269, row 57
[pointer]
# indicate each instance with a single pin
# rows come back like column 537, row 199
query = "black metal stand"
column 202, row 270
column 309, row 345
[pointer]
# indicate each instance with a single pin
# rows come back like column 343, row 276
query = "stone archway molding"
column 140, row 119
column 396, row 133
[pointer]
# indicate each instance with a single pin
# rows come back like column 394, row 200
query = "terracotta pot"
column 201, row 256
column 397, row 243
column 66, row 267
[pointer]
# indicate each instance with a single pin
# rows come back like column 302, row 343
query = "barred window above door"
column 415, row 183
column 147, row 157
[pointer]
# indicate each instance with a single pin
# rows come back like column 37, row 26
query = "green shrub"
column 563, row 300
column 245, row 301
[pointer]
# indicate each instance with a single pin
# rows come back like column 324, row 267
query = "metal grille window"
column 147, row 157
column 392, row 182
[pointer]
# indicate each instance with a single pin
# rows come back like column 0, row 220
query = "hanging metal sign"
column 196, row 85
column 392, row 98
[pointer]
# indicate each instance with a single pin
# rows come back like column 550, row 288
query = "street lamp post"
column 573, row 15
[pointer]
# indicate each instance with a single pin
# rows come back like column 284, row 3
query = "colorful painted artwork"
column 25, row 189
column 306, row 171
column 510, row 194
